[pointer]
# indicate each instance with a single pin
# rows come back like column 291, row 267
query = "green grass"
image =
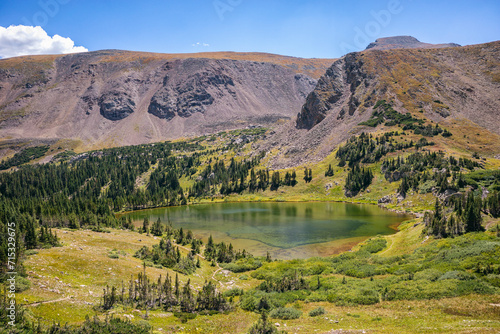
column 71, row 272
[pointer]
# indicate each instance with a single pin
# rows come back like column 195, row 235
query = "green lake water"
column 286, row 230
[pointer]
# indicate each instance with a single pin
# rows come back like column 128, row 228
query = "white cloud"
column 26, row 40
column 201, row 45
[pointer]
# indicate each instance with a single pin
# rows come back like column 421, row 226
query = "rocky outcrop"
column 340, row 81
column 385, row 200
column 116, row 106
column 184, row 95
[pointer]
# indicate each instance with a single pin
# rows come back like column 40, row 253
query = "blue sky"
column 315, row 28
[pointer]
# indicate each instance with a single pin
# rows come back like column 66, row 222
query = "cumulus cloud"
column 26, row 40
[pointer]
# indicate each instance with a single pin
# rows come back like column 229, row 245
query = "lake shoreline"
column 291, row 229
column 409, row 213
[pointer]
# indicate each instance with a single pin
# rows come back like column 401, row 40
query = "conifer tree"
column 30, row 240
column 275, row 181
column 145, row 225
column 329, row 172
column 472, row 213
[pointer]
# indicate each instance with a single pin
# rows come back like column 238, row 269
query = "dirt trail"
column 48, row 301
column 219, row 268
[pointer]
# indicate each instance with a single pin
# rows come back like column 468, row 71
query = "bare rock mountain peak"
column 404, row 42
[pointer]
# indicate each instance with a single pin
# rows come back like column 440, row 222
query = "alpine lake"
column 287, row 230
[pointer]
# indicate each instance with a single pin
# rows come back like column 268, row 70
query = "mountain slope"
column 112, row 98
column 454, row 87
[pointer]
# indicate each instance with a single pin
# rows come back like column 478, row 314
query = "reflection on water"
column 287, row 230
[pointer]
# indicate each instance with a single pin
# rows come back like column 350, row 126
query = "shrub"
column 427, row 186
column 184, row 316
column 374, row 245
column 455, row 274
column 263, row 326
column 185, row 266
column 285, row 313
column 473, row 287
column 30, row 252
column 111, row 326
column 428, row 274
column 317, row 311
column 493, row 280
column 242, row 265
column 248, row 302
column 233, row 292
column 22, row 284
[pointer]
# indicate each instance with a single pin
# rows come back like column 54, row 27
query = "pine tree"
column 177, row 286
column 252, row 185
column 493, row 203
column 294, row 178
column 329, row 172
column 472, row 213
column 145, row 225
column 275, row 181
column 30, row 240
column 437, row 225
column 157, row 228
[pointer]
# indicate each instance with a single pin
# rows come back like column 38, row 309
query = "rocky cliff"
column 110, row 98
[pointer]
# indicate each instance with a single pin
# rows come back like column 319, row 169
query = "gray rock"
column 385, row 200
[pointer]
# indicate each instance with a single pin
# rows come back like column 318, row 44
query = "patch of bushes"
column 317, row 311
column 285, row 313
column 108, row 326
column 233, row 292
column 374, row 245
column 242, row 265
column 458, row 275
column 184, row 316
column 22, row 284
column 114, row 254
column 384, row 112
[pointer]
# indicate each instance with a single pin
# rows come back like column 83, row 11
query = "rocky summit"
column 405, row 42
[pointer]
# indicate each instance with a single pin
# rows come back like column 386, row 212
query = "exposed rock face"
column 448, row 86
column 183, row 95
column 404, row 42
column 341, row 79
column 115, row 106
column 115, row 97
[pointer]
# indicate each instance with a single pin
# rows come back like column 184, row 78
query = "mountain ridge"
column 113, row 98
column 453, row 87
